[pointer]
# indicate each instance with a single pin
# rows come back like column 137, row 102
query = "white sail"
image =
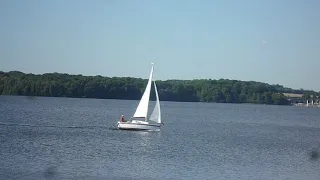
column 142, row 109
column 156, row 113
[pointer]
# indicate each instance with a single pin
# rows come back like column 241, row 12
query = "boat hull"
column 138, row 126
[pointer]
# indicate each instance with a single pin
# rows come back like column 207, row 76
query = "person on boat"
column 122, row 118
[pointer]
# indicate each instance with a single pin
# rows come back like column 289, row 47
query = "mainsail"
column 142, row 109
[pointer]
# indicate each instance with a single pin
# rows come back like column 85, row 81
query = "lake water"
column 63, row 138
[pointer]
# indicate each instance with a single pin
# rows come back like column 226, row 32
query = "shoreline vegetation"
column 129, row 88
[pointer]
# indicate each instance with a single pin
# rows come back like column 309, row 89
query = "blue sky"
column 273, row 41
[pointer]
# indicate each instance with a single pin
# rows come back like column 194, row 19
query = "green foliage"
column 221, row 91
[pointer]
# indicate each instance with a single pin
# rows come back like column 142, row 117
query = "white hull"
column 139, row 125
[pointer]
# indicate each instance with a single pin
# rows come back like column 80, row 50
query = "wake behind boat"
column 140, row 120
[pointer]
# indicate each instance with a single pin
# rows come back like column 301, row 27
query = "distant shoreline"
column 32, row 97
column 128, row 88
column 294, row 104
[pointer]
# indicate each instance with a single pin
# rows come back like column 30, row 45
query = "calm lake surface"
column 64, row 138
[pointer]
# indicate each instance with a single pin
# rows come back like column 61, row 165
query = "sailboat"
column 140, row 119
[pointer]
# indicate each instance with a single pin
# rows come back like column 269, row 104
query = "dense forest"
column 203, row 90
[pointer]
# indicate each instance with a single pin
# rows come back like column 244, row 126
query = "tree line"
column 199, row 90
